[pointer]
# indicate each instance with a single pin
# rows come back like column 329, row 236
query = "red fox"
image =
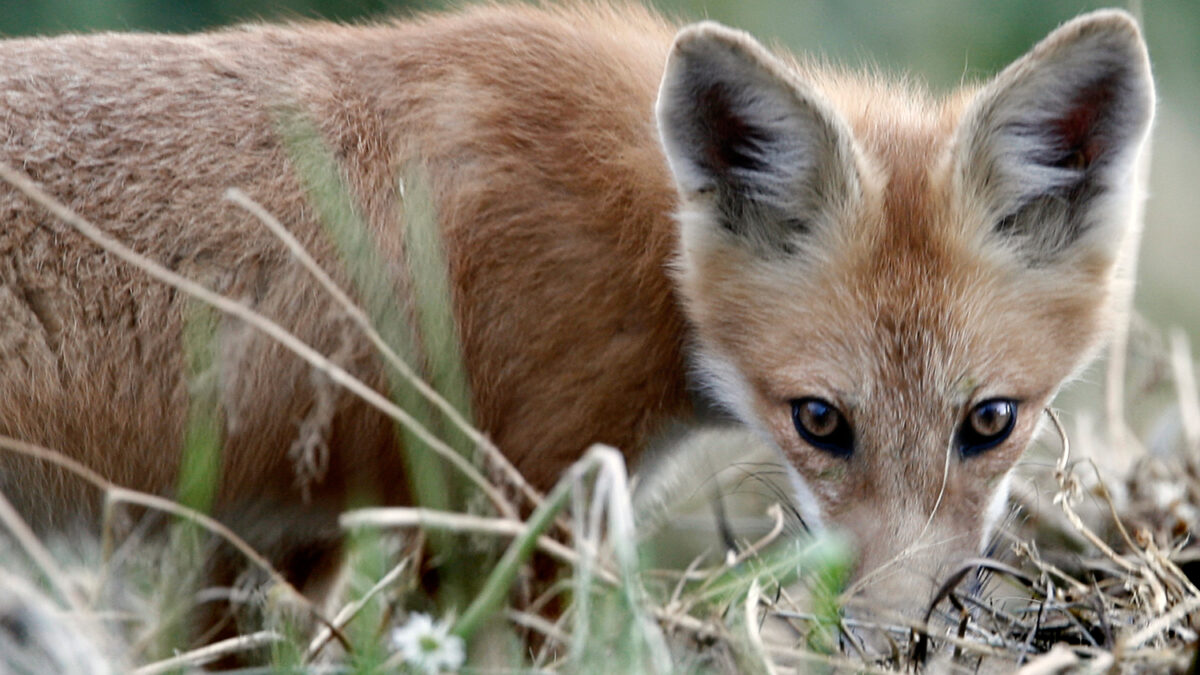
column 889, row 286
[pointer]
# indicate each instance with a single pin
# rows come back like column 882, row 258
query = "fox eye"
column 987, row 425
column 823, row 426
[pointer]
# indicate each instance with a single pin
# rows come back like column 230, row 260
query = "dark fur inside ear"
column 743, row 158
column 1059, row 132
column 747, row 142
column 733, row 144
column 1074, row 146
column 1085, row 129
column 1064, row 207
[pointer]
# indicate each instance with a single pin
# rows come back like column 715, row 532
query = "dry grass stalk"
column 418, row 517
column 41, row 557
column 212, row 652
column 510, row 472
column 1185, row 389
column 347, row 613
column 269, row 328
column 116, row 494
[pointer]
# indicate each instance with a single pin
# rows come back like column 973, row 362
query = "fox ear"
column 1052, row 145
column 753, row 150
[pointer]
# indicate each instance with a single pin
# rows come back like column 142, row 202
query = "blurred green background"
column 942, row 42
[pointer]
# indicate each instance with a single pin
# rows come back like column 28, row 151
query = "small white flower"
column 427, row 645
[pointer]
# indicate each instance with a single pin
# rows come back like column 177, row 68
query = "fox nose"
column 903, row 556
column 880, row 615
column 875, row 636
column 885, row 617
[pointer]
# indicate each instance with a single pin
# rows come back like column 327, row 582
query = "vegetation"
column 1098, row 573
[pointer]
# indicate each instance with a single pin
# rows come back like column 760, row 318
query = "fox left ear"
column 1052, row 145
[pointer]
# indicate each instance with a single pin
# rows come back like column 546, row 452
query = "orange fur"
column 537, row 130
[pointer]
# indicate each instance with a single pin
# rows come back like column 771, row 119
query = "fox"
column 640, row 220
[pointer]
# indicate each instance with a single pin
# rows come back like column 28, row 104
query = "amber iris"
column 823, row 426
column 987, row 425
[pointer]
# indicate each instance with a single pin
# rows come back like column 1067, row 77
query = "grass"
column 1094, row 575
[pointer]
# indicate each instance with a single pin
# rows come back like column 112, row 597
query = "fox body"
column 888, row 286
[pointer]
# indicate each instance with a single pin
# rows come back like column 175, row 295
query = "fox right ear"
column 1052, row 145
column 757, row 151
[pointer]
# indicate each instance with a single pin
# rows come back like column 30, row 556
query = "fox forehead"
column 903, row 293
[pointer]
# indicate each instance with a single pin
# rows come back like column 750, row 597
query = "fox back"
column 888, row 286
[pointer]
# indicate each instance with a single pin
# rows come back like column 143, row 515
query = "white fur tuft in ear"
column 1053, row 143
column 746, row 141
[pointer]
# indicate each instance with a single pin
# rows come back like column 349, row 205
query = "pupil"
column 991, row 419
column 820, row 419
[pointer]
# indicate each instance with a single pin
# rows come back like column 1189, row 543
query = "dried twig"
column 210, row 653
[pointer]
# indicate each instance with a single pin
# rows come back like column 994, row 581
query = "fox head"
column 892, row 288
